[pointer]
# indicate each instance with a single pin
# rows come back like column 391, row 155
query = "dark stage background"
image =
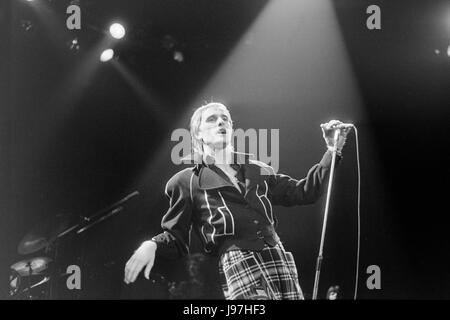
column 78, row 135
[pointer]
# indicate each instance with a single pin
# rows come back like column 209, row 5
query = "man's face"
column 215, row 127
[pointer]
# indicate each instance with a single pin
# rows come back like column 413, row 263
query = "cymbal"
column 31, row 266
column 45, row 232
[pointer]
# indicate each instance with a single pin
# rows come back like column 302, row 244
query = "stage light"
column 74, row 45
column 437, row 51
column 26, row 25
column 107, row 55
column 178, row 56
column 117, row 31
column 448, row 51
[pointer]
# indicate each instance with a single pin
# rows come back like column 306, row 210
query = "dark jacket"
column 204, row 199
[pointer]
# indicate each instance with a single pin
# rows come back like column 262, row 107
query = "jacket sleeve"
column 287, row 191
column 173, row 242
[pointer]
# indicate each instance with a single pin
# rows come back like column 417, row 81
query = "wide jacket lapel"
column 209, row 179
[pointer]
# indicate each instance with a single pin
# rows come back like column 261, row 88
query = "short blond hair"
column 196, row 119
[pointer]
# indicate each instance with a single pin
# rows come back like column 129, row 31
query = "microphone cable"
column 359, row 214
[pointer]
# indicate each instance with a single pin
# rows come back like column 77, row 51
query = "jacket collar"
column 209, row 178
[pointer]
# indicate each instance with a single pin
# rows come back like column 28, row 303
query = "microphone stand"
column 324, row 226
column 105, row 213
column 89, row 222
column 98, row 217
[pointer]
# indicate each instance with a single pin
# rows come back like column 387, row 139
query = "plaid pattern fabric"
column 260, row 275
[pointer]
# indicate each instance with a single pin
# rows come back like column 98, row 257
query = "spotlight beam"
column 147, row 95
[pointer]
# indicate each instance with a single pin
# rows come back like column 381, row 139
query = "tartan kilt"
column 269, row 274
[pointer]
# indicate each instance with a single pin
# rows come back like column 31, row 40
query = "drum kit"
column 30, row 278
column 34, row 278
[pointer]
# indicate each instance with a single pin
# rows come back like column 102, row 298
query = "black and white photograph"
column 199, row 151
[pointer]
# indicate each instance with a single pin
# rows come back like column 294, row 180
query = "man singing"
column 227, row 199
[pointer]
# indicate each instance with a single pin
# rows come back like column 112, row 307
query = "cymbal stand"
column 54, row 271
column 30, row 272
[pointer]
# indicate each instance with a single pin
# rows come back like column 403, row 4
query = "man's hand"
column 144, row 256
column 328, row 130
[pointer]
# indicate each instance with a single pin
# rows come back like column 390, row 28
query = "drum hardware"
column 27, row 275
column 45, row 236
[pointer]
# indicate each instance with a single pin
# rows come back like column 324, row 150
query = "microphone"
column 340, row 126
column 344, row 126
